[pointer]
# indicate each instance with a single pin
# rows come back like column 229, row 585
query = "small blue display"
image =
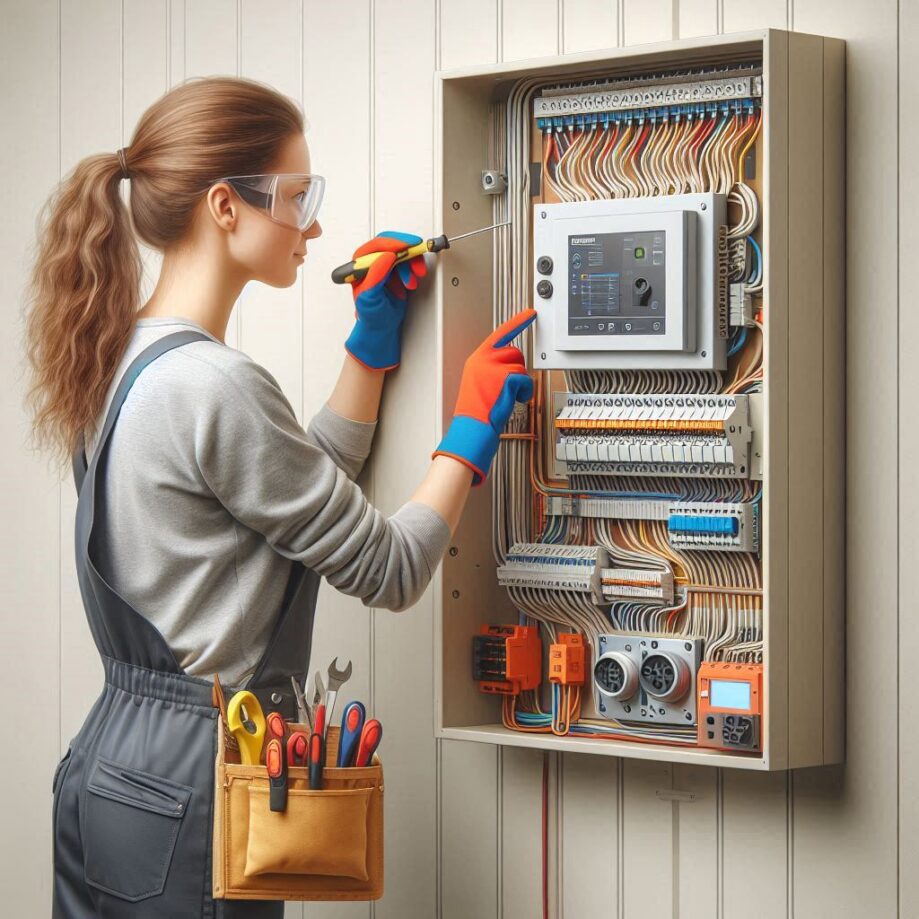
column 729, row 694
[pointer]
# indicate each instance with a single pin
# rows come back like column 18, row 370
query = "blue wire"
column 741, row 337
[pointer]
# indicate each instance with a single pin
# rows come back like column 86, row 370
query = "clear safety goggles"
column 291, row 199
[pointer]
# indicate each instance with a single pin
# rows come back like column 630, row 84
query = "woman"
column 207, row 515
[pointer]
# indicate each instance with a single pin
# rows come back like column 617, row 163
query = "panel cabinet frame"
column 803, row 509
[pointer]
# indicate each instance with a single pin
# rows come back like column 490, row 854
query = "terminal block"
column 714, row 526
column 653, row 435
column 507, row 659
column 554, row 567
column 566, row 660
column 637, row 584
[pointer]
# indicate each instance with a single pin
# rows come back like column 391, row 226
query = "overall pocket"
column 131, row 823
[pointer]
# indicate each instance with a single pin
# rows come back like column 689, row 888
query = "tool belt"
column 327, row 844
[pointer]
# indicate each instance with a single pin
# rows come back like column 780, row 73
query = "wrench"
column 336, row 679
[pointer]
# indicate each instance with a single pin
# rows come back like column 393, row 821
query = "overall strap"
column 119, row 631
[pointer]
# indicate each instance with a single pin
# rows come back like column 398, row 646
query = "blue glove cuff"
column 378, row 349
column 473, row 443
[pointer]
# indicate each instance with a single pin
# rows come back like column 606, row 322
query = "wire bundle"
column 718, row 594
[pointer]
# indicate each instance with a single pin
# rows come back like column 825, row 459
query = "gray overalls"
column 133, row 796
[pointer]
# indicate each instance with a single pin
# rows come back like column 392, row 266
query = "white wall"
column 463, row 820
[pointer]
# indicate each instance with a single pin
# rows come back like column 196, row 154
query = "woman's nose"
column 313, row 230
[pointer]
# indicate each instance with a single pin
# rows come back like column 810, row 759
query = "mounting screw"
column 688, row 716
column 628, row 708
column 454, row 552
column 456, row 205
column 704, row 353
column 454, row 282
column 653, row 644
column 456, row 595
column 542, row 214
column 276, row 697
column 542, row 356
column 704, row 207
column 688, row 646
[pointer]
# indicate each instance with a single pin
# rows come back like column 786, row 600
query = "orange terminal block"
column 507, row 659
column 566, row 660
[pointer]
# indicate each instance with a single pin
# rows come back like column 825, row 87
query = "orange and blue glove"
column 494, row 378
column 380, row 298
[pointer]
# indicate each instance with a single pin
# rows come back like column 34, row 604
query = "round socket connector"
column 544, row 264
column 664, row 677
column 616, row 675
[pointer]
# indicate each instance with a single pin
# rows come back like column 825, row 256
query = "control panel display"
column 617, row 284
column 729, row 694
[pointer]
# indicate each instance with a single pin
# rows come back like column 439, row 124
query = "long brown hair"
column 85, row 285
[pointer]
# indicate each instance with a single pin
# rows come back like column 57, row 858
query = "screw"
column 704, row 207
column 688, row 646
column 628, row 708
column 542, row 214
column 454, row 551
column 602, row 641
column 653, row 644
column 704, row 353
column 543, row 356
column 456, row 595
column 276, row 698
column 454, row 282
column 628, row 647
column 602, row 707
column 456, row 205
column 688, row 716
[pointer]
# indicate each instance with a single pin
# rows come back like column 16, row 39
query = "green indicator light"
column 639, row 252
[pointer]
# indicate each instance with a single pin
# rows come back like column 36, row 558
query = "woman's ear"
column 221, row 206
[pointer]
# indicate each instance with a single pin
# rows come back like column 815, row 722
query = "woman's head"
column 86, row 277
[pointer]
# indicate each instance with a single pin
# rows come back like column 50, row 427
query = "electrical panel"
column 654, row 566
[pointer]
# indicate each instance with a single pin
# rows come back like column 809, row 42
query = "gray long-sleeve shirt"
column 212, row 485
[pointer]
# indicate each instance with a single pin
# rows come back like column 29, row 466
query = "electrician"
column 206, row 515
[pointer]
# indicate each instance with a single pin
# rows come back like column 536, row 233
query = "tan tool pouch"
column 327, row 844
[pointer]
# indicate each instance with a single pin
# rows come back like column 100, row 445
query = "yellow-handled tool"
column 357, row 269
column 246, row 722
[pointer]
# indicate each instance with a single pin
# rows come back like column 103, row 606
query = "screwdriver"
column 357, row 269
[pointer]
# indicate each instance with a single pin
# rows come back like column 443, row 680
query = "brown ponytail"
column 85, row 286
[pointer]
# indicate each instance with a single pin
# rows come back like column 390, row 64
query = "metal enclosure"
column 803, row 510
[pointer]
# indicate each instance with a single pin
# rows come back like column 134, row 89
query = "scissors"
column 246, row 722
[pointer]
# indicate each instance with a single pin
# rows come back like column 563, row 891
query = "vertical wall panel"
column 590, row 24
column 696, row 842
column 754, row 865
column 647, row 21
column 648, row 866
column 404, row 48
column 589, row 820
column 91, row 122
column 468, row 32
column 468, row 841
column 530, row 28
column 698, row 17
column 849, row 816
column 742, row 15
column 29, row 571
column 909, row 452
column 521, row 844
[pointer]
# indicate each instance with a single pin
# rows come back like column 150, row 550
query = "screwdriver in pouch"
column 357, row 269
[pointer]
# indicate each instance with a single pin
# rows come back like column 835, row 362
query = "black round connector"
column 544, row 289
column 610, row 675
column 641, row 285
column 544, row 264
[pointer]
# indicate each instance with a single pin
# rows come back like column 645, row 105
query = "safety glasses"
column 291, row 199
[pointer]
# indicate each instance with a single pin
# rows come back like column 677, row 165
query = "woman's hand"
column 380, row 298
column 494, row 378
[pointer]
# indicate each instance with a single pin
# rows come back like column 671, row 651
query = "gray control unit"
column 632, row 283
